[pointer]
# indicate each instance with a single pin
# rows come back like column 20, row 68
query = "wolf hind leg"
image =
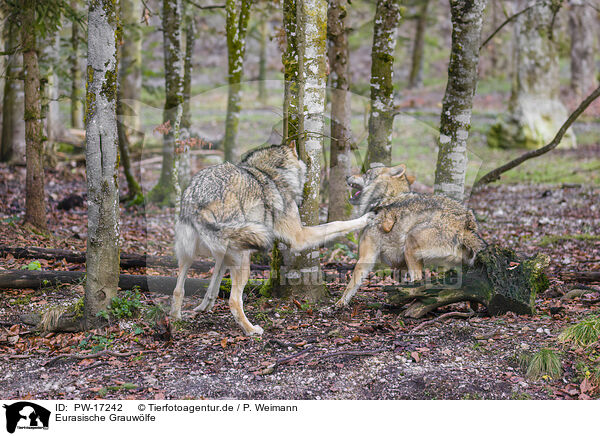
column 212, row 291
column 240, row 273
column 179, row 290
column 367, row 256
column 186, row 242
column 413, row 261
column 301, row 238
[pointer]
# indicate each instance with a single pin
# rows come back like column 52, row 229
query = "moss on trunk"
column 381, row 119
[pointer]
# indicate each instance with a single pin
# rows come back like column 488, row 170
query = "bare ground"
column 365, row 352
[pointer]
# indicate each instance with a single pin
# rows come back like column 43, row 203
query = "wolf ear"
column 411, row 179
column 292, row 144
column 398, row 170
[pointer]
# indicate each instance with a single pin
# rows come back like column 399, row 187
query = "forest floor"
column 308, row 351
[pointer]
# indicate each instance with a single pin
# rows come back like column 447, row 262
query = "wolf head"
column 378, row 186
column 282, row 164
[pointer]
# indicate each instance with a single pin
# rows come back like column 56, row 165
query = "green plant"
column 584, row 333
column 546, row 362
column 126, row 306
column 96, row 343
column 33, row 266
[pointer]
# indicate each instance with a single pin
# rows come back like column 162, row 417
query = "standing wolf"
column 410, row 230
column 229, row 210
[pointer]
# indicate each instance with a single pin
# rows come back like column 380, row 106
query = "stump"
column 499, row 279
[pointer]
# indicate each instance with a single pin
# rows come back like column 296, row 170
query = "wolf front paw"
column 205, row 306
column 255, row 330
column 341, row 303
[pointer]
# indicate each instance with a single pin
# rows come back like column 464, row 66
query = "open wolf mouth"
column 355, row 194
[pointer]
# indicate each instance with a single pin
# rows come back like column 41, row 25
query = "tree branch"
column 508, row 20
column 205, row 7
column 494, row 175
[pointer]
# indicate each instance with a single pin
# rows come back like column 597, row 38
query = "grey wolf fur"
column 410, row 230
column 229, row 210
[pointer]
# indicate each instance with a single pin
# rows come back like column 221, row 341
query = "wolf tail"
column 247, row 236
column 191, row 234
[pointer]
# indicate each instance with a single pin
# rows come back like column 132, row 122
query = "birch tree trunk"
column 76, row 84
column 340, row 159
column 455, row 121
column 168, row 190
column 35, row 203
column 535, row 112
column 102, row 257
column 281, row 257
column 415, row 79
column 238, row 15
column 305, row 275
column 130, row 63
column 12, row 144
column 582, row 18
column 381, row 119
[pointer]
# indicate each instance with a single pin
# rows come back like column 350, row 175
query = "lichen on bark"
column 381, row 119
column 535, row 112
column 455, row 120
column 340, row 157
column 237, row 17
column 168, row 191
column 102, row 257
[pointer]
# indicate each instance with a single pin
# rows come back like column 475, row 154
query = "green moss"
column 553, row 239
column 76, row 309
column 109, row 87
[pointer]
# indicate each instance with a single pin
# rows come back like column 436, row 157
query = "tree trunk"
column 130, row 64
column 35, row 204
column 238, row 14
column 455, row 121
column 262, row 60
column 102, row 261
column 185, row 171
column 415, row 79
column 381, row 119
column 53, row 126
column 128, row 93
column 535, row 111
column 76, row 84
column 12, row 146
column 500, row 280
column 290, row 71
column 281, row 259
column 340, row 159
column 168, row 190
column 134, row 190
column 305, row 274
column 582, row 18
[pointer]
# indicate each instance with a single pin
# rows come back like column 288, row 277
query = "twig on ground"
column 469, row 314
column 353, row 353
column 271, row 368
column 97, row 355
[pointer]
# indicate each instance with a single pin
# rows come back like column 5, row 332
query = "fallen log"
column 499, row 279
column 128, row 260
column 23, row 279
column 583, row 276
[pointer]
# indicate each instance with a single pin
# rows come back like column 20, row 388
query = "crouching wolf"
column 229, row 210
column 410, row 230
